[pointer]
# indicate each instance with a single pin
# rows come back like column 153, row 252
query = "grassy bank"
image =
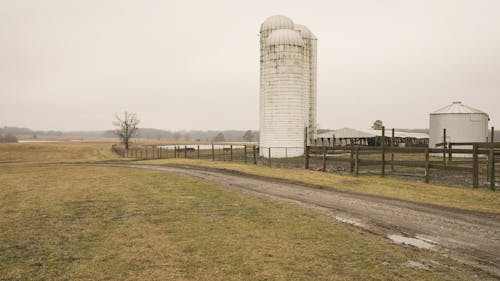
column 449, row 196
column 73, row 223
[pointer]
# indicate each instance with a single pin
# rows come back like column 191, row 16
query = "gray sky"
column 71, row 65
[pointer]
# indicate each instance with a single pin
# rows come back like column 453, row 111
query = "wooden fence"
column 425, row 158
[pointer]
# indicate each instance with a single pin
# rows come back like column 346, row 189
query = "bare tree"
column 126, row 127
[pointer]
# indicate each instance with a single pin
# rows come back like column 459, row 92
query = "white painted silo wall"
column 313, row 89
column 460, row 127
column 282, row 101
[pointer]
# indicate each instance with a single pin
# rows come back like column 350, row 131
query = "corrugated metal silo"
column 462, row 123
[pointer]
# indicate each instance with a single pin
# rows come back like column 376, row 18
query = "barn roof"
column 369, row 133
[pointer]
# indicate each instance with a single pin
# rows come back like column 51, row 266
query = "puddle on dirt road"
column 411, row 241
column 349, row 221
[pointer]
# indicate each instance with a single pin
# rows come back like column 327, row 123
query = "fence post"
column 356, row 162
column 324, row 157
column 392, row 151
column 198, row 152
column 254, row 155
column 245, row 149
column 427, row 166
column 491, row 159
column 213, row 153
column 185, row 151
column 475, row 167
column 351, row 162
column 146, row 152
column 450, row 152
column 306, row 158
column 269, row 151
column 383, row 152
column 231, row 153
column 444, row 147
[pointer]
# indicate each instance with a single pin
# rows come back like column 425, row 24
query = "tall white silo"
column 310, row 53
column 282, row 110
column 269, row 25
column 462, row 123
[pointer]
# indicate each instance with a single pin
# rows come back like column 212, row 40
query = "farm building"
column 462, row 123
column 369, row 137
column 287, row 86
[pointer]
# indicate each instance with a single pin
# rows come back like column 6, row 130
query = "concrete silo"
column 282, row 95
column 287, row 86
column 462, row 123
column 310, row 53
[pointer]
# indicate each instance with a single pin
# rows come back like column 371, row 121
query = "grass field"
column 74, row 223
column 55, row 152
column 96, row 223
column 449, row 196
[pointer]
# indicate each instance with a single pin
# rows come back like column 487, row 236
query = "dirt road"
column 471, row 237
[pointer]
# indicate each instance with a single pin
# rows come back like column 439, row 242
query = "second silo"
column 462, row 123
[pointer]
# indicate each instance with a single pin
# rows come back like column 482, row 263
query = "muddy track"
column 468, row 236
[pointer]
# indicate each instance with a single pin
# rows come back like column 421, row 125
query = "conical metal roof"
column 458, row 107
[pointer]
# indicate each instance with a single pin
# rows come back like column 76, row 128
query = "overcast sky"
column 71, row 65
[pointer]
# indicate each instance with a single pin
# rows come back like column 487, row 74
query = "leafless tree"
column 126, row 127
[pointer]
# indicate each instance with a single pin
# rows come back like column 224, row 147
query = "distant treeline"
column 144, row 133
column 158, row 134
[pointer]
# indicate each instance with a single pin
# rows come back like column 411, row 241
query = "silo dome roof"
column 277, row 22
column 458, row 108
column 285, row 37
column 305, row 32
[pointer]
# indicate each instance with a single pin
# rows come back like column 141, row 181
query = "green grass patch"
column 448, row 196
column 94, row 223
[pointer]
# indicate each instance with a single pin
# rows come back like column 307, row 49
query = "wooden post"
column 213, row 152
column 356, row 162
column 427, row 166
column 245, row 149
column 475, row 167
column 351, row 162
column 254, row 155
column 383, row 152
column 306, row 157
column 198, row 152
column 166, row 152
column 324, row 156
column 491, row 159
column 444, row 147
column 305, row 140
column 269, row 151
column 392, row 151
column 185, row 151
column 231, row 150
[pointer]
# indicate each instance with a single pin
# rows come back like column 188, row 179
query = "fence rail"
column 480, row 160
column 476, row 166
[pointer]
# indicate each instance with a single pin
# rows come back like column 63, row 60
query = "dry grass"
column 55, row 152
column 95, row 223
column 450, row 196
